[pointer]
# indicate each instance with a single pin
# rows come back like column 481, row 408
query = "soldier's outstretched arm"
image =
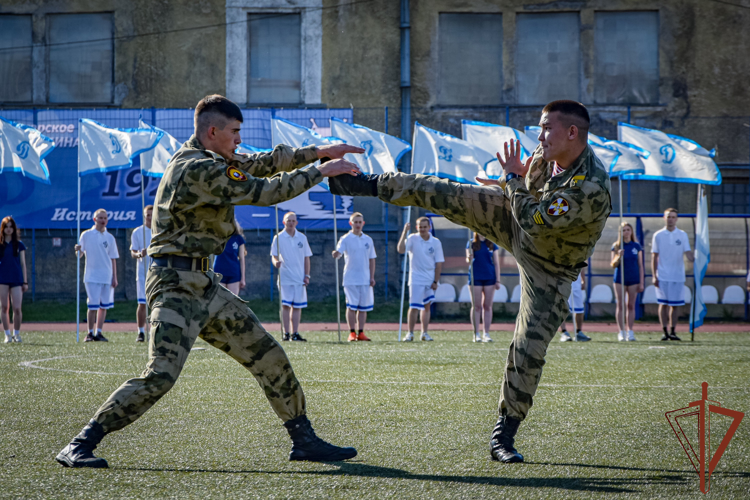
column 282, row 159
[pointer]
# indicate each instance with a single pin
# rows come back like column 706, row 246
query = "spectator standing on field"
column 359, row 276
column 290, row 254
column 13, row 278
column 486, row 274
column 576, row 306
column 100, row 274
column 138, row 251
column 630, row 251
column 668, row 247
column 231, row 262
column 425, row 266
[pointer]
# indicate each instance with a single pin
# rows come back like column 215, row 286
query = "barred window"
column 470, row 59
column 81, row 58
column 275, row 54
column 15, row 58
column 731, row 197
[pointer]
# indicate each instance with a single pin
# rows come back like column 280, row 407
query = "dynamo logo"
column 115, row 144
column 22, row 150
column 445, row 153
column 368, row 147
column 668, row 152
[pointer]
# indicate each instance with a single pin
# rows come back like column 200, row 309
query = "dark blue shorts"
column 489, row 282
column 230, row 279
column 629, row 282
column 12, row 285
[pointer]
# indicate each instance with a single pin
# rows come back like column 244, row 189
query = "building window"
column 548, row 57
column 15, row 59
column 470, row 59
column 627, row 58
column 80, row 58
column 275, row 63
column 731, row 197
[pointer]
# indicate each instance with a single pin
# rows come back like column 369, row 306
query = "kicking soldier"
column 549, row 213
column 193, row 219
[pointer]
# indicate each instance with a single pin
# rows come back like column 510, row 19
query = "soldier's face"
column 554, row 136
column 225, row 141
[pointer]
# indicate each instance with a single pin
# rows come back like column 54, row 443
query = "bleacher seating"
column 733, row 294
column 516, row 296
column 649, row 295
column 688, row 295
column 445, row 293
column 601, row 294
column 501, row 295
column 710, row 294
column 465, row 295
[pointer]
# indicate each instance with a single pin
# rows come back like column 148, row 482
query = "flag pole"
column 278, row 273
column 336, row 264
column 695, row 282
column 622, row 263
column 78, row 256
column 475, row 322
column 403, row 283
column 144, row 259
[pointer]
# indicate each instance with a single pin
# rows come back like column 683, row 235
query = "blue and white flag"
column 154, row 161
column 618, row 158
column 22, row 149
column 247, row 149
column 297, row 136
column 672, row 158
column 702, row 258
column 102, row 149
column 492, row 138
column 447, row 157
column 382, row 151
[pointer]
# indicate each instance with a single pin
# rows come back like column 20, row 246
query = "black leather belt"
column 202, row 264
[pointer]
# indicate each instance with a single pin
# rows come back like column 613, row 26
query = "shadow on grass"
column 594, row 484
column 643, row 469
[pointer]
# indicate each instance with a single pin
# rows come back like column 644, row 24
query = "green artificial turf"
column 420, row 415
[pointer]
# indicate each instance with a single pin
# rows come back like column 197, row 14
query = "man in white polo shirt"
column 667, row 249
column 425, row 266
column 138, row 251
column 100, row 274
column 359, row 275
column 290, row 254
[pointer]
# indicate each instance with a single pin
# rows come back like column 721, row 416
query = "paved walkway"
column 461, row 327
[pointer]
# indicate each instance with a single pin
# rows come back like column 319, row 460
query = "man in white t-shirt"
column 359, row 276
column 290, row 254
column 138, row 251
column 100, row 274
column 425, row 266
column 668, row 247
column 576, row 306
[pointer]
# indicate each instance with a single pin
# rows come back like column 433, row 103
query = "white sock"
column 141, row 330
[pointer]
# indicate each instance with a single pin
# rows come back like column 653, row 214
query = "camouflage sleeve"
column 282, row 159
column 218, row 183
column 571, row 207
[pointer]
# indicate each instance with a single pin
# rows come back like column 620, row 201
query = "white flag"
column 618, row 158
column 702, row 258
column 491, row 138
column 447, row 157
column 22, row 149
column 247, row 149
column 671, row 158
column 297, row 136
column 382, row 151
column 102, row 149
column 154, row 161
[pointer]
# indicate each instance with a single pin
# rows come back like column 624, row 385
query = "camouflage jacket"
column 194, row 206
column 561, row 217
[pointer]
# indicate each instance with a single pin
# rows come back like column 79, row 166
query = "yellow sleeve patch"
column 538, row 218
column 577, row 180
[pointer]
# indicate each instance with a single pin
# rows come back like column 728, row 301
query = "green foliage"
column 420, row 415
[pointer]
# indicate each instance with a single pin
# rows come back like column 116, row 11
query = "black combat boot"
column 307, row 446
column 354, row 185
column 501, row 441
column 80, row 451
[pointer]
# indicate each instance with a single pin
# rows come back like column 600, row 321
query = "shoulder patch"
column 236, row 174
column 558, row 207
column 538, row 218
column 578, row 179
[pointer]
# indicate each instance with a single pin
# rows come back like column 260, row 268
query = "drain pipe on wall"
column 405, row 73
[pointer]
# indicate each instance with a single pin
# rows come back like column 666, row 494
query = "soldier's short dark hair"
column 212, row 107
column 575, row 112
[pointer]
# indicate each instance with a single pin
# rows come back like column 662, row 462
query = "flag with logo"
column 154, row 161
column 382, row 151
column 103, row 149
column 619, row 158
column 671, row 158
column 448, row 157
column 491, row 138
column 702, row 258
column 22, row 150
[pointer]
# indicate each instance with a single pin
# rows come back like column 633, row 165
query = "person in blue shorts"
column 13, row 278
column 231, row 262
column 631, row 252
column 486, row 268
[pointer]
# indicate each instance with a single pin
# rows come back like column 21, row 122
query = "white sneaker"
column 486, row 338
column 409, row 337
column 477, row 337
column 17, row 338
column 8, row 338
column 426, row 337
column 631, row 336
column 621, row 336
column 565, row 337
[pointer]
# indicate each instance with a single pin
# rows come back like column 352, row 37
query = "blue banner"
column 36, row 205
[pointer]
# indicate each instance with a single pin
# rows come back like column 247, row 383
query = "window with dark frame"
column 15, row 58
column 275, row 58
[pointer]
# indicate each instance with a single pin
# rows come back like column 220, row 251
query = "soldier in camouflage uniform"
column 193, row 219
column 550, row 223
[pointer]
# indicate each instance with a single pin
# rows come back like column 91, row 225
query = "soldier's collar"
column 194, row 143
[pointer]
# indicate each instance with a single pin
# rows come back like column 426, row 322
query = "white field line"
column 33, row 364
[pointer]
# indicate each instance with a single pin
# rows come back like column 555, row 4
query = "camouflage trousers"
column 545, row 288
column 186, row 305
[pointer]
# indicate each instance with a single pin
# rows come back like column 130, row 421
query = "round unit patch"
column 236, row 174
column 558, row 207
